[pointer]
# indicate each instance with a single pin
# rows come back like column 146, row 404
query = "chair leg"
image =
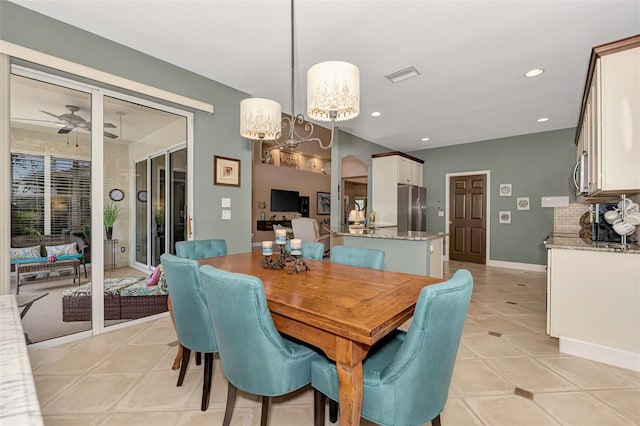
column 85, row 269
column 186, row 354
column 436, row 421
column 334, row 409
column 206, row 386
column 318, row 407
column 232, row 391
column 265, row 411
column 198, row 358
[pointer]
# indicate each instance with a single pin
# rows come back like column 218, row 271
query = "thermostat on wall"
column 555, row 202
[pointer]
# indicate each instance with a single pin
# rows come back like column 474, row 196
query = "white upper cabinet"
column 609, row 127
column 409, row 171
column 389, row 170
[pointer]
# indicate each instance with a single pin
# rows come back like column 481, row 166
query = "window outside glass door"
column 50, row 207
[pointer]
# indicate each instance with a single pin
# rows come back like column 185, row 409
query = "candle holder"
column 285, row 260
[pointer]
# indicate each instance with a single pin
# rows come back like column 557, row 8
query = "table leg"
column 351, row 380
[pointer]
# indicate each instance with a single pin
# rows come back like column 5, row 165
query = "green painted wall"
column 536, row 165
column 216, row 134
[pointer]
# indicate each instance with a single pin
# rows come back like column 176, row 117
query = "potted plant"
column 111, row 212
column 159, row 218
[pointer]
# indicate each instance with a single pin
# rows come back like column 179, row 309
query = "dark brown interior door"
column 467, row 221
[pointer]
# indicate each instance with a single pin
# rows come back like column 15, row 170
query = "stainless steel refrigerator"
column 412, row 208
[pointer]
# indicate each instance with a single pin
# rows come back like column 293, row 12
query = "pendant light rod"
column 333, row 94
column 293, row 45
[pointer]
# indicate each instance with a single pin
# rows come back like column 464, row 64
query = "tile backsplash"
column 566, row 220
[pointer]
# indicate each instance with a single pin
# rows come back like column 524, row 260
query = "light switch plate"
column 226, row 202
column 226, row 214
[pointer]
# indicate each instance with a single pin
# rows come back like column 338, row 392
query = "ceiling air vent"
column 404, row 74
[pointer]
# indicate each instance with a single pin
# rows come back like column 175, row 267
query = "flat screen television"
column 284, row 201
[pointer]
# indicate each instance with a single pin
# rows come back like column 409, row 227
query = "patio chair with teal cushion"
column 255, row 357
column 407, row 375
column 191, row 315
column 357, row 256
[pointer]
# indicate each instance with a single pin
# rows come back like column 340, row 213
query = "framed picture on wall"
column 505, row 190
column 289, row 159
column 226, row 171
column 323, row 205
column 522, row 203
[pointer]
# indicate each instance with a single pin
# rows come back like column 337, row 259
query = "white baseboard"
column 516, row 265
column 605, row 354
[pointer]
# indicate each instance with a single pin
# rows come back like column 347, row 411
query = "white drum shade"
column 260, row 119
column 333, row 86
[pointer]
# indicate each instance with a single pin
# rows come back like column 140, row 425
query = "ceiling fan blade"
column 110, row 135
column 110, row 126
column 48, row 113
column 65, row 130
column 33, row 119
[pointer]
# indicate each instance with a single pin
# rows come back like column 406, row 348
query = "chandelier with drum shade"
column 333, row 94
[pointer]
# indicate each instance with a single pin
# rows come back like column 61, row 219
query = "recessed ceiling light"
column 376, row 114
column 534, row 73
column 424, row 139
column 543, row 119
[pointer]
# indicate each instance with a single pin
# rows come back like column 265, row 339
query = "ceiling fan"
column 72, row 121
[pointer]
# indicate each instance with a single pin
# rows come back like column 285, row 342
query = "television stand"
column 267, row 225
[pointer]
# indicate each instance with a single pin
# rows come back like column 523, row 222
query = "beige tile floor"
column 124, row 377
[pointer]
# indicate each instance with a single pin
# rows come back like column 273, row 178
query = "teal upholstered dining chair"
column 357, row 256
column 310, row 249
column 191, row 315
column 407, row 375
column 245, row 330
column 200, row 249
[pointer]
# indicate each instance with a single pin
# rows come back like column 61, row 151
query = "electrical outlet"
column 441, row 213
column 226, row 214
column 226, row 202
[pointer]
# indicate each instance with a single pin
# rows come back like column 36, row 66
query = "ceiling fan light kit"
column 333, row 94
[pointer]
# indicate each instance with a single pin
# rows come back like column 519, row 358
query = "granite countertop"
column 387, row 233
column 573, row 242
column 18, row 399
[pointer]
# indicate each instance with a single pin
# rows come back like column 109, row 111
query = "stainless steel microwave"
column 581, row 174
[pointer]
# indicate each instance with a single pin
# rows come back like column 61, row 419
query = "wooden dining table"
column 342, row 310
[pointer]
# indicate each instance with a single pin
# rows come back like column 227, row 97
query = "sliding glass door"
column 166, row 209
column 98, row 193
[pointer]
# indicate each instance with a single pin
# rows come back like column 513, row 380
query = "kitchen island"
column 593, row 299
column 412, row 252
